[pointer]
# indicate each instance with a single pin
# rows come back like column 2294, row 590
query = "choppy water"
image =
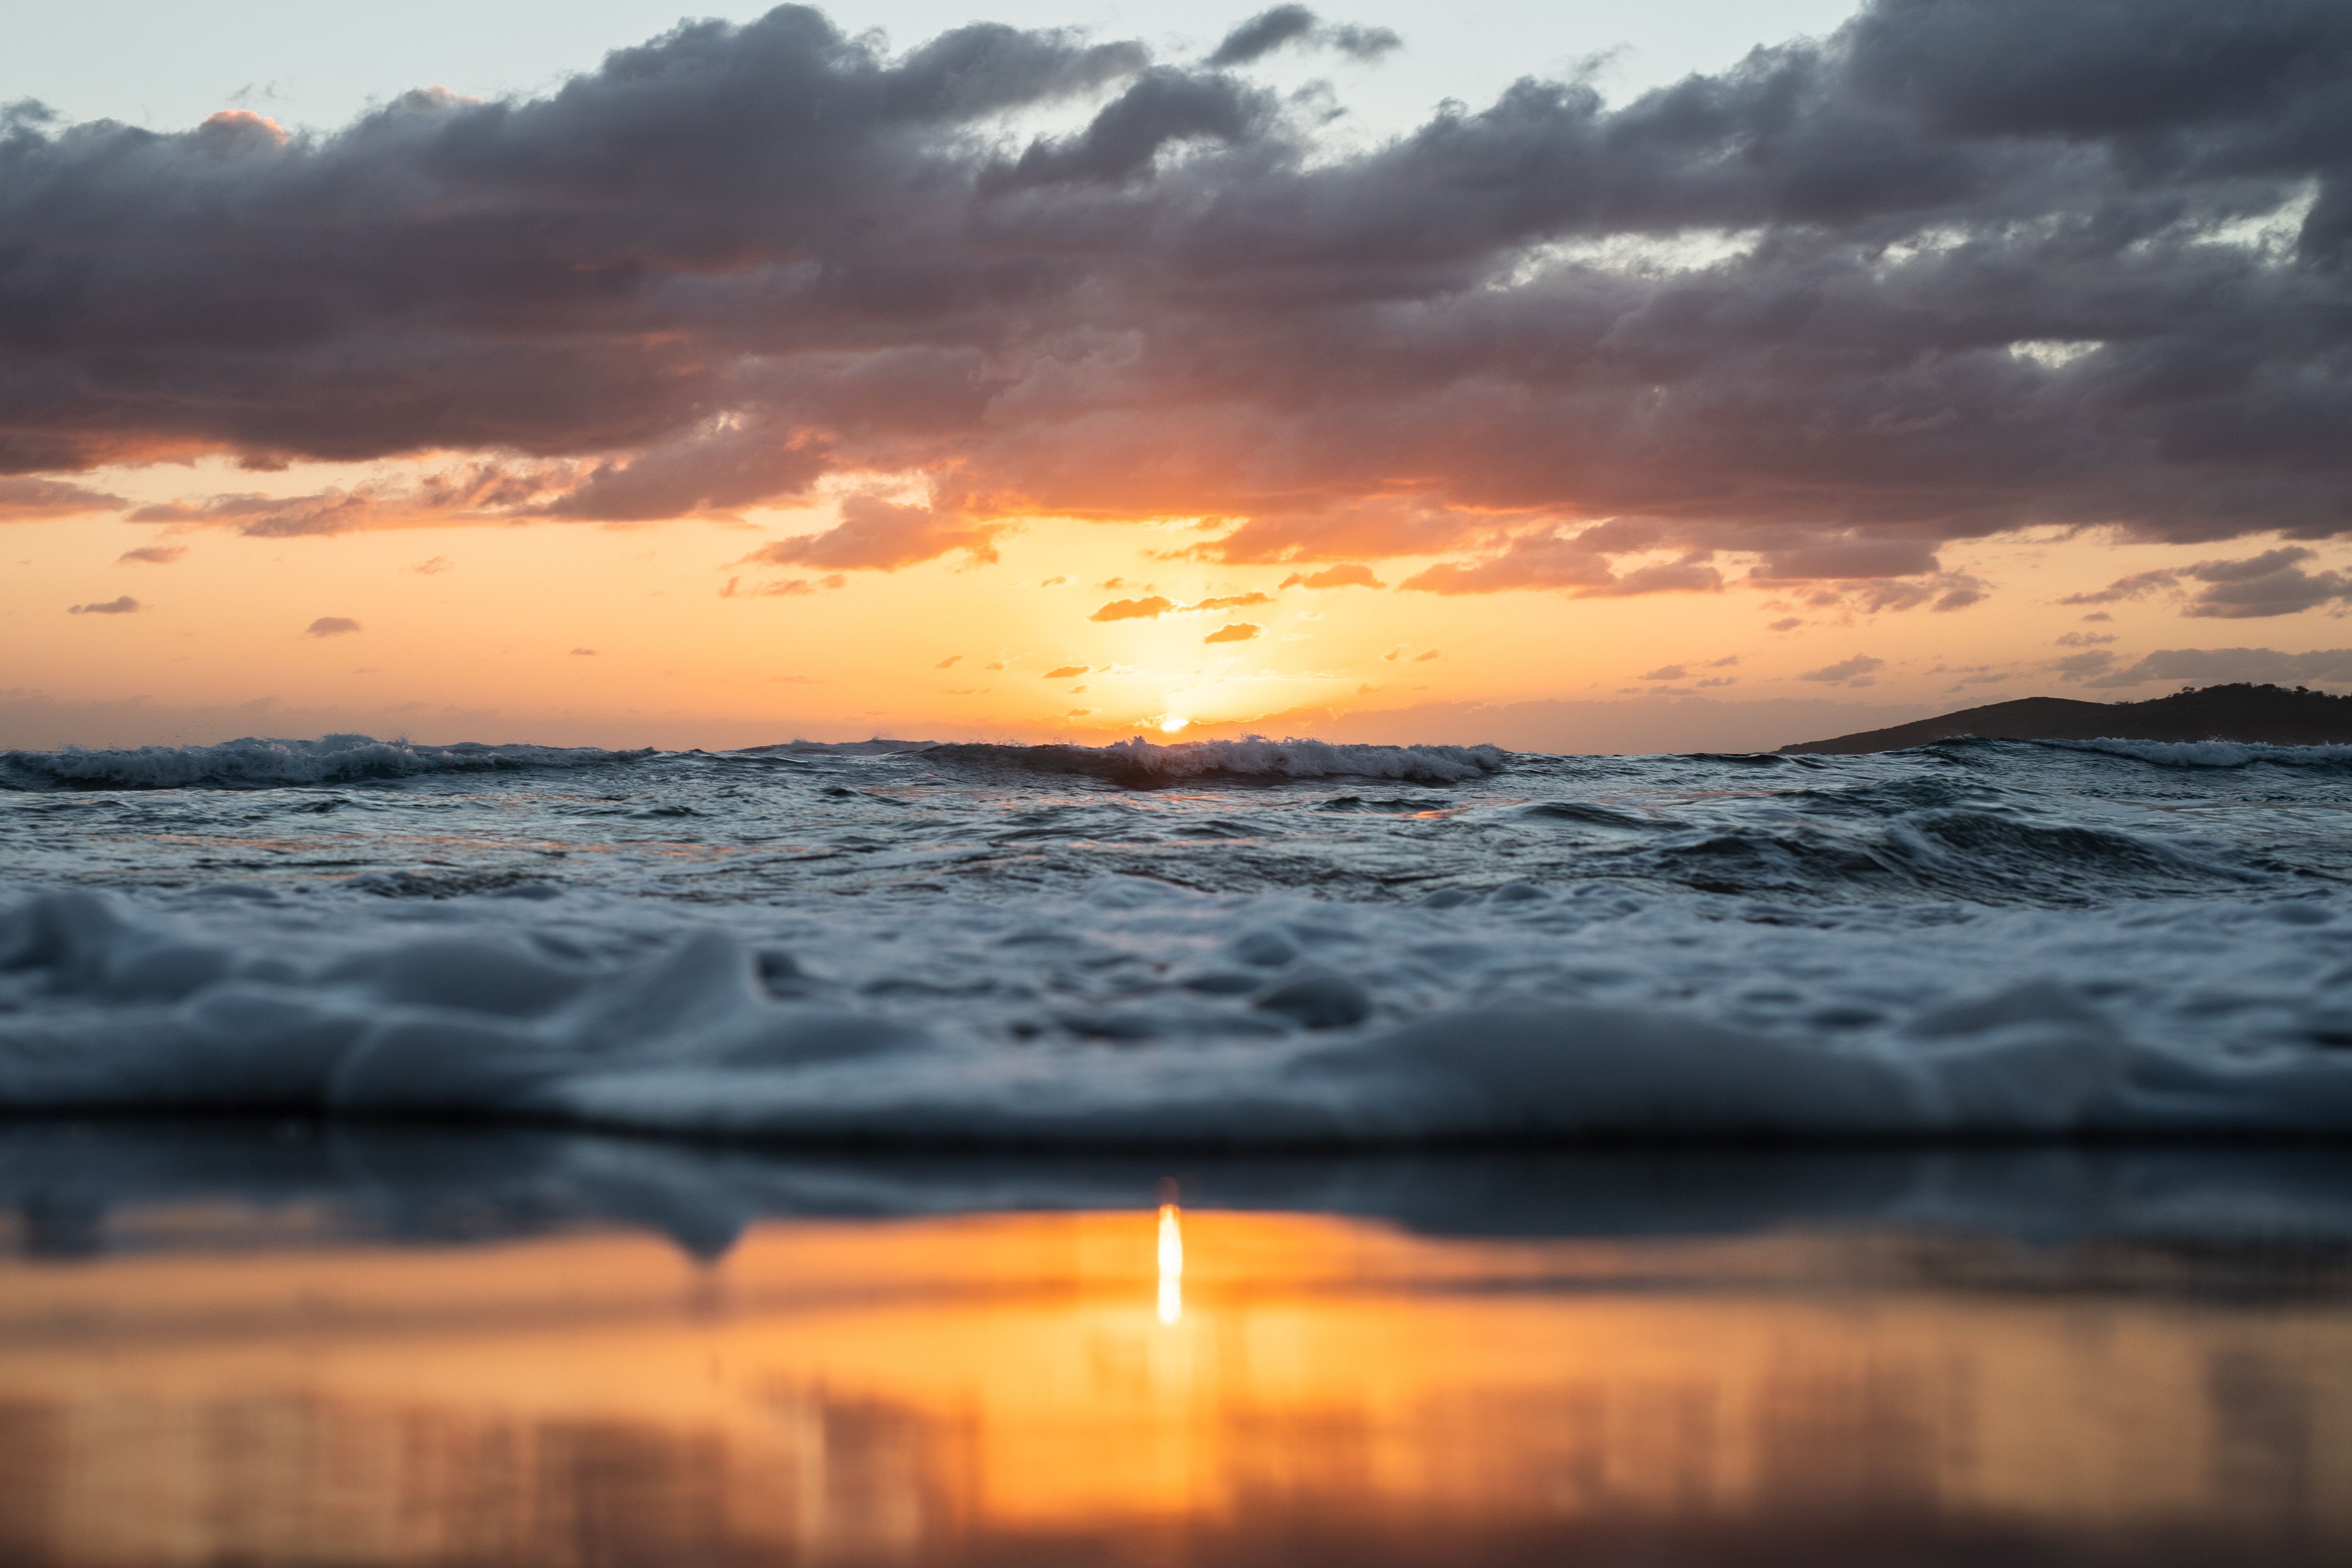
column 1228, row 942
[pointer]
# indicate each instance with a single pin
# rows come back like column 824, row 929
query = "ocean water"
column 1248, row 945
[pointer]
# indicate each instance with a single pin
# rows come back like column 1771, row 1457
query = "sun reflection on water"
column 1172, row 1264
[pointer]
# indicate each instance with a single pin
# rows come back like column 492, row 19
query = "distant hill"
column 2274, row 715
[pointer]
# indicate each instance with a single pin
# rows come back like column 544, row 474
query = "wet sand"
column 213, row 1377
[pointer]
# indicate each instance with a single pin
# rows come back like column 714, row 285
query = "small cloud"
column 1233, row 601
column 1425, row 658
column 1718, row 680
column 997, row 665
column 1056, row 581
column 2084, row 665
column 1240, row 631
column 584, row 653
column 2098, row 616
column 1854, row 671
column 332, row 627
column 1726, row 662
column 1791, row 622
column 153, row 554
column 1294, row 24
column 433, row 567
column 2219, row 665
column 1667, row 672
column 1107, row 584
column 121, row 607
column 2085, row 639
column 1067, row 671
column 24, row 500
column 1077, row 713
column 1366, row 690
column 950, row 662
column 2271, row 583
column 1348, row 576
column 1133, row 609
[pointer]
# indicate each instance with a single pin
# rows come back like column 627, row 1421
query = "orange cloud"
column 1342, row 576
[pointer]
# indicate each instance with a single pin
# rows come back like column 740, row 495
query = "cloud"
column 1240, row 631
column 435, row 567
column 1854, row 671
column 1231, row 602
column 121, row 607
column 2210, row 665
column 2085, row 639
column 950, row 662
column 876, row 535
column 30, row 500
column 1343, row 576
column 1668, row 672
column 1066, row 672
column 782, row 588
column 1772, row 311
column 332, row 627
column 153, row 554
column 1785, row 624
column 1134, row 609
column 584, row 653
column 1425, row 658
column 1578, row 563
column 1271, row 30
column 2271, row 583
column 2084, row 665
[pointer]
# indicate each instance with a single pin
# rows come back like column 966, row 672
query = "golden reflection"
column 1172, row 1264
column 994, row 1388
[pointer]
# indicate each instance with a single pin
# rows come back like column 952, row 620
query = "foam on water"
column 926, row 944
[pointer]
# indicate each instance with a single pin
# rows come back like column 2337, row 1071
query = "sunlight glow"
column 1172, row 1264
column 1172, row 722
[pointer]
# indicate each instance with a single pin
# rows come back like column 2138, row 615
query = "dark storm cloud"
column 1957, row 269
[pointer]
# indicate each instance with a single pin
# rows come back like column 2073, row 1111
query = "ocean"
column 1241, row 946
column 1256, row 1152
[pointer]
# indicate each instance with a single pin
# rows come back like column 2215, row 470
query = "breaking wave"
column 1145, row 763
column 256, row 764
column 2214, row 753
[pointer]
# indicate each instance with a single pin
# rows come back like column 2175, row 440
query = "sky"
column 1683, row 375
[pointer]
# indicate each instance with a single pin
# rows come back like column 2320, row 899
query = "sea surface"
column 1251, row 944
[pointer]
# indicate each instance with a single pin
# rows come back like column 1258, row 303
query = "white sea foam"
column 1133, row 1015
column 253, row 763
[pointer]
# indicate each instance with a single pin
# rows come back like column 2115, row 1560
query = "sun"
column 1172, row 722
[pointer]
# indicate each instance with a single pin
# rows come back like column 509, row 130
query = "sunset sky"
column 1566, row 377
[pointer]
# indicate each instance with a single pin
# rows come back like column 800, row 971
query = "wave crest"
column 255, row 763
column 1146, row 762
